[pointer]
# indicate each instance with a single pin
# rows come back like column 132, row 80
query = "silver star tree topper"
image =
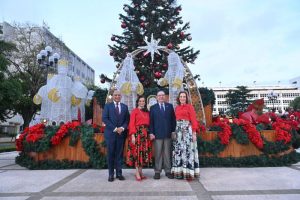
column 152, row 47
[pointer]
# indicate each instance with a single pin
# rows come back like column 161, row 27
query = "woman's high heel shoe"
column 138, row 178
column 143, row 177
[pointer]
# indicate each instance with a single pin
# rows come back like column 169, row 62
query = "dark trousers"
column 115, row 147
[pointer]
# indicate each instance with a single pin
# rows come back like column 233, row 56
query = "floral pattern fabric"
column 185, row 161
column 140, row 153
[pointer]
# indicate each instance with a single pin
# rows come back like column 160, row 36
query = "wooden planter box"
column 63, row 151
column 208, row 114
column 233, row 149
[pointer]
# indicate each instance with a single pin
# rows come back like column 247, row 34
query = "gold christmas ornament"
column 75, row 101
column 126, row 88
column 177, row 83
column 163, row 82
column 140, row 89
column 37, row 99
column 53, row 95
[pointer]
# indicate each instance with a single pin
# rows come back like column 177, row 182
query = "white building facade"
column 285, row 95
column 77, row 67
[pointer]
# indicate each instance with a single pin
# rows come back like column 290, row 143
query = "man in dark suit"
column 162, row 124
column 116, row 118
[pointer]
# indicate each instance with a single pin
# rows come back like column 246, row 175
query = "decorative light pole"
column 272, row 96
column 46, row 60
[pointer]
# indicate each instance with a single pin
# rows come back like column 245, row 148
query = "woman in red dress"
column 139, row 151
column 185, row 160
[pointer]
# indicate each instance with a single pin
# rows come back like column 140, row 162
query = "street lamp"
column 47, row 60
column 272, row 96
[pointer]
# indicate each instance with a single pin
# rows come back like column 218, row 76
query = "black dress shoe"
column 120, row 177
column 156, row 176
column 110, row 179
column 170, row 176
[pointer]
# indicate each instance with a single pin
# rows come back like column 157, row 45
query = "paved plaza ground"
column 274, row 183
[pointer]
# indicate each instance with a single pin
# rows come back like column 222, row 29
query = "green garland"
column 24, row 160
column 239, row 134
column 251, row 161
column 91, row 148
column 74, row 137
column 213, row 147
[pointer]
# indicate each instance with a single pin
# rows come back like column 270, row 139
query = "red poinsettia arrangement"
column 201, row 128
column 253, row 134
column 226, row 132
column 63, row 130
column 282, row 131
column 98, row 129
column 31, row 134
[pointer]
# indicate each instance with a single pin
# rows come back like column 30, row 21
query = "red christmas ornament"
column 170, row 46
column 182, row 34
column 102, row 80
column 142, row 78
column 157, row 74
column 165, row 66
column 123, row 25
column 142, row 24
column 113, row 38
column 111, row 53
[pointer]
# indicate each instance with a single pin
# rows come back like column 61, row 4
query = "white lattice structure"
column 128, row 83
column 173, row 77
column 59, row 94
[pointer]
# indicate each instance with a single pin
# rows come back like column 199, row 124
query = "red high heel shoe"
column 138, row 179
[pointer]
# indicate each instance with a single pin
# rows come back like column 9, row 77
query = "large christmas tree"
column 142, row 19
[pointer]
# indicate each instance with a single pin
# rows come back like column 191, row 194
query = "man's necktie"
column 162, row 108
column 117, row 108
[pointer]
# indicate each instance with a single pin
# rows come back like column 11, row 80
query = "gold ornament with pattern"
column 53, row 95
column 75, row 101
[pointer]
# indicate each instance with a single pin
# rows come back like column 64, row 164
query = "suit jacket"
column 112, row 120
column 162, row 124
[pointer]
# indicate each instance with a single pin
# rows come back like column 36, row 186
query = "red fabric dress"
column 140, row 153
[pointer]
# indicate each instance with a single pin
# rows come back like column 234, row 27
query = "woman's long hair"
column 137, row 103
column 187, row 97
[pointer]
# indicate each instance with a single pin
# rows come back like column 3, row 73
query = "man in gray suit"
column 162, row 124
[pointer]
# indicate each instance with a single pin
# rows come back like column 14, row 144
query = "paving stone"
column 30, row 180
column 96, row 181
column 4, row 163
column 14, row 198
column 268, row 178
column 123, row 198
column 258, row 197
column 14, row 167
column 9, row 155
